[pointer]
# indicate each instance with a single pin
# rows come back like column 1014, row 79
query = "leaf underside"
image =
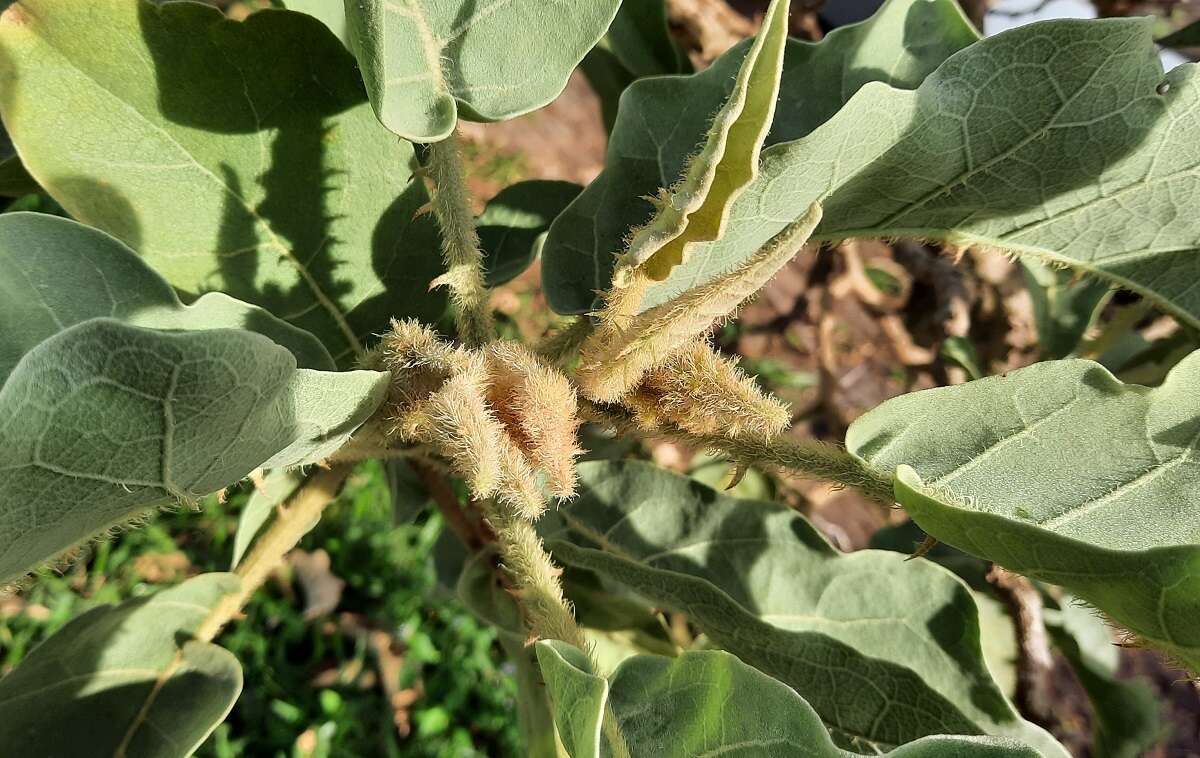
column 428, row 62
column 696, row 209
column 1061, row 472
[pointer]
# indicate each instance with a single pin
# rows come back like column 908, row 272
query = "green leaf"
column 1063, row 307
column 640, row 39
column 764, row 585
column 1061, row 472
column 513, row 227
column 639, row 43
column 82, row 692
column 1188, row 36
column 663, row 119
column 332, row 13
column 14, row 179
column 81, row 273
column 1127, row 722
column 104, row 420
column 233, row 156
column 276, row 487
column 426, row 62
column 696, row 209
column 1061, row 141
column 705, row 704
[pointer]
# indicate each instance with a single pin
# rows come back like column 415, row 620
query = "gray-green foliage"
column 58, row 273
column 1061, row 140
column 426, row 62
column 1061, row 472
column 760, row 582
column 512, row 228
column 1063, row 306
column 705, row 704
column 1127, row 722
column 117, row 398
column 663, row 120
column 124, row 676
column 233, row 156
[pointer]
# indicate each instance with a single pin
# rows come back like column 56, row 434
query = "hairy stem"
column 460, row 243
column 292, row 522
column 808, row 458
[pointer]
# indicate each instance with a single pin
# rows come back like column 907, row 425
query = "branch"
column 1035, row 665
column 460, row 244
column 808, row 458
column 290, row 525
column 292, row 522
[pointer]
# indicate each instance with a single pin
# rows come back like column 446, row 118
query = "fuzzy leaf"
column 705, row 704
column 82, row 691
column 426, row 62
column 1061, row 472
column 1061, row 141
column 764, row 585
column 79, row 273
column 512, row 229
column 104, row 420
column 276, row 487
column 663, row 119
column 238, row 156
column 696, row 209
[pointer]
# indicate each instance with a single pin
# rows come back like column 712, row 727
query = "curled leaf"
column 618, row 355
column 696, row 209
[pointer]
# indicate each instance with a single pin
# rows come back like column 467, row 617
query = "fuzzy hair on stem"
column 540, row 409
column 457, row 422
column 618, row 355
column 703, row 393
column 807, row 458
column 460, row 244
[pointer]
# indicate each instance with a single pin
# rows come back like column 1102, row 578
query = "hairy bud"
column 618, row 355
column 456, row 421
column 419, row 361
column 702, row 393
column 540, row 409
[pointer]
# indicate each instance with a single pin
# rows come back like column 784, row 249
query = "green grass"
column 313, row 688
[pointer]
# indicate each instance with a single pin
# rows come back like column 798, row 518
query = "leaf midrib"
column 615, row 551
